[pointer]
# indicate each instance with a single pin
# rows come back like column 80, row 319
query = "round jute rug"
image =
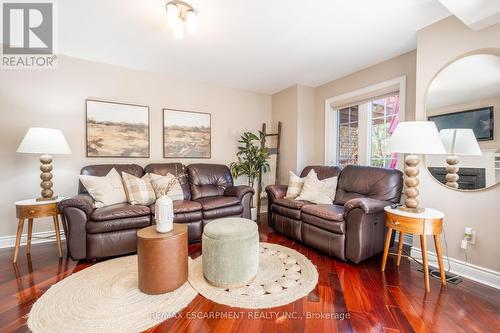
column 105, row 298
column 284, row 276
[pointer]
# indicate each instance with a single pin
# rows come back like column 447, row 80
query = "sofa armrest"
column 276, row 191
column 368, row 205
column 76, row 213
column 83, row 202
column 238, row 191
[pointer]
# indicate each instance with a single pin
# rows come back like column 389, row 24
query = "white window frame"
column 330, row 143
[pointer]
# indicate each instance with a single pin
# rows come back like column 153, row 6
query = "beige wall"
column 294, row 107
column 437, row 46
column 306, row 121
column 402, row 65
column 284, row 109
column 56, row 98
column 493, row 101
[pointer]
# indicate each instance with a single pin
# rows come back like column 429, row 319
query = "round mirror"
column 464, row 102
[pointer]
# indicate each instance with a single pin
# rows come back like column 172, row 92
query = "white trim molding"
column 330, row 121
column 37, row 238
column 472, row 272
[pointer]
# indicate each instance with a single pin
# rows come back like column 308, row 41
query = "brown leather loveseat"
column 109, row 231
column 353, row 226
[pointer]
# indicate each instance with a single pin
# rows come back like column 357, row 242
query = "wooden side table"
column 428, row 223
column 162, row 259
column 31, row 209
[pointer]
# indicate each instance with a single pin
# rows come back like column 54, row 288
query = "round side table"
column 162, row 259
column 31, row 209
column 427, row 223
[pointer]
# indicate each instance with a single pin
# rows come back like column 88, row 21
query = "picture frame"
column 187, row 134
column 117, row 129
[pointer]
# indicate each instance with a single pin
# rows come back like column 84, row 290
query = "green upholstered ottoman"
column 230, row 252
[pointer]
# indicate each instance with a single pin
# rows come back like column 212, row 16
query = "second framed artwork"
column 186, row 134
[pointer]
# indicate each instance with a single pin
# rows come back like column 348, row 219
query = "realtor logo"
column 28, row 34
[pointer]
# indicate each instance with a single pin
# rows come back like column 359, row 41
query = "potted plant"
column 252, row 159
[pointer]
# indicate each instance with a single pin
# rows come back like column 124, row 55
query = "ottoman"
column 230, row 252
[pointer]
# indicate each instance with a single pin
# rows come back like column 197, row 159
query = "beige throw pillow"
column 139, row 190
column 295, row 184
column 107, row 190
column 318, row 191
column 161, row 182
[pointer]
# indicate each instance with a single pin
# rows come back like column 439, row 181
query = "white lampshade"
column 44, row 141
column 460, row 141
column 191, row 22
column 416, row 137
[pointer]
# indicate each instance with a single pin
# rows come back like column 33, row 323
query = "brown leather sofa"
column 353, row 226
column 109, row 231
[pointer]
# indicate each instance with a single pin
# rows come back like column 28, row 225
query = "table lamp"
column 44, row 141
column 457, row 141
column 414, row 138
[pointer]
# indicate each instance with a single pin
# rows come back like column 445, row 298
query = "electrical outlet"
column 463, row 245
column 469, row 235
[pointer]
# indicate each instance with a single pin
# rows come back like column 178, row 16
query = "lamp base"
column 417, row 210
column 47, row 199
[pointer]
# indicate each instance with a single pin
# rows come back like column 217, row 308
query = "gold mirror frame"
column 490, row 51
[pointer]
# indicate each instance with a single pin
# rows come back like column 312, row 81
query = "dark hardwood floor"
column 367, row 299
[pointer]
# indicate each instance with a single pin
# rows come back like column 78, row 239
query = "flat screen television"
column 479, row 120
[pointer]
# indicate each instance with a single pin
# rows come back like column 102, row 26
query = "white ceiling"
column 468, row 79
column 477, row 14
column 259, row 45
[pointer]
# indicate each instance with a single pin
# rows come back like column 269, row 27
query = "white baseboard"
column 37, row 238
column 476, row 273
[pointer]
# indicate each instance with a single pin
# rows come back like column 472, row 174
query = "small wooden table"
column 428, row 223
column 162, row 259
column 31, row 209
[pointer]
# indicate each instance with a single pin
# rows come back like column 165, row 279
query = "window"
column 347, row 136
column 363, row 130
column 384, row 118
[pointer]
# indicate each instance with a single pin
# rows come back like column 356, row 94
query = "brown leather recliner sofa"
column 109, row 231
column 353, row 226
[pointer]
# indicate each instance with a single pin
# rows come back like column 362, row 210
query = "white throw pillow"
column 161, row 182
column 107, row 190
column 318, row 191
column 139, row 190
column 295, row 184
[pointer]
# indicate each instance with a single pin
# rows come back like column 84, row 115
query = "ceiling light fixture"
column 178, row 14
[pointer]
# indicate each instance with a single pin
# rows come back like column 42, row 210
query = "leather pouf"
column 230, row 252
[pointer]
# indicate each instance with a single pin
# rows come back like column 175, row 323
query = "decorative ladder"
column 272, row 151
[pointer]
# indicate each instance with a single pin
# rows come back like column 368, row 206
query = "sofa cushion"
column 217, row 202
column 357, row 181
column 97, row 227
column 182, row 206
column 119, row 211
column 208, row 180
column 291, row 203
column 328, row 225
column 327, row 212
column 286, row 211
column 235, row 210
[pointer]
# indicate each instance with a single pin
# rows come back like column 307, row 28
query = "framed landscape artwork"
column 117, row 129
column 186, row 134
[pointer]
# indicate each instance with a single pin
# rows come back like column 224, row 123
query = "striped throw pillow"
column 139, row 190
column 160, row 184
column 295, row 184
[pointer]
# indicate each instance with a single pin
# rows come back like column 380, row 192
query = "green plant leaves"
column 251, row 157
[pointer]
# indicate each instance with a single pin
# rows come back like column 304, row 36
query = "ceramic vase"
column 164, row 214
